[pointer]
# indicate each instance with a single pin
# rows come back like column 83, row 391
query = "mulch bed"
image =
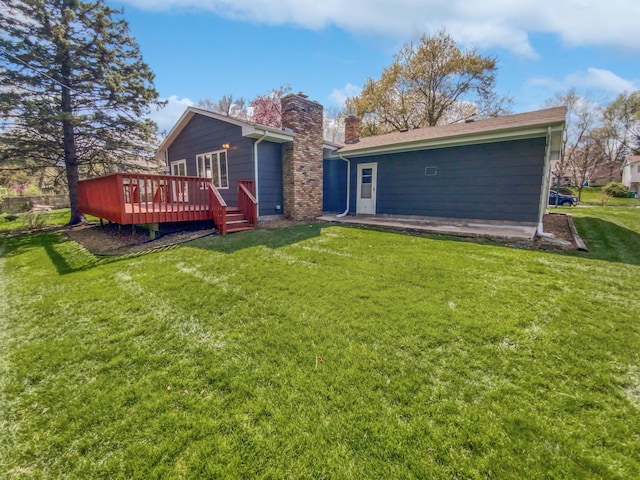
column 558, row 225
column 111, row 240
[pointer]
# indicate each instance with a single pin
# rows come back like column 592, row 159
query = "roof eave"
column 455, row 141
column 276, row 136
column 248, row 130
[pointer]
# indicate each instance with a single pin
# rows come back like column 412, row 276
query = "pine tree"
column 74, row 89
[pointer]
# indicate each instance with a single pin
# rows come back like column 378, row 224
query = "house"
column 603, row 174
column 631, row 173
column 490, row 170
column 494, row 170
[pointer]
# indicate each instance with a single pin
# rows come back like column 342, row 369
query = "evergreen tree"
column 74, row 89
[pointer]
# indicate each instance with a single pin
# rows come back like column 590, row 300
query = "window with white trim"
column 179, row 167
column 213, row 165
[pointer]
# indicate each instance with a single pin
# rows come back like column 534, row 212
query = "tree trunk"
column 69, row 141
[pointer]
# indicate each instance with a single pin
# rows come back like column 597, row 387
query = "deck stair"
column 236, row 221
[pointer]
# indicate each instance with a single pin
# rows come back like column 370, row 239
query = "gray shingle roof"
column 547, row 117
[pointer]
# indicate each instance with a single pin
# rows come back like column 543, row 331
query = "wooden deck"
column 136, row 199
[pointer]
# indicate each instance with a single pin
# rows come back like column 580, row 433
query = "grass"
column 593, row 196
column 440, row 358
column 611, row 233
column 25, row 220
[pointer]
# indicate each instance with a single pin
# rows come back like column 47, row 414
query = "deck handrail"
column 218, row 208
column 247, row 202
column 138, row 198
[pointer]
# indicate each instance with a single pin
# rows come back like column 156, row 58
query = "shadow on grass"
column 608, row 241
column 67, row 256
column 273, row 237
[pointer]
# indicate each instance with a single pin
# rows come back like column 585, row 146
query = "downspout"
column 255, row 170
column 344, row 214
column 544, row 198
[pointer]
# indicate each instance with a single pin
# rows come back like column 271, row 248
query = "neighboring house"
column 605, row 174
column 493, row 170
column 631, row 173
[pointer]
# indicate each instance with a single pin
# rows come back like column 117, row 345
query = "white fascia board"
column 248, row 130
column 175, row 131
column 275, row 136
column 458, row 141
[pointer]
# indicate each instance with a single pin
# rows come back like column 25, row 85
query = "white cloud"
column 169, row 115
column 592, row 79
column 601, row 80
column 340, row 95
column 490, row 23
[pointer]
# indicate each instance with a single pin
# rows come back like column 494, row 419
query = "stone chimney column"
column 351, row 129
column 302, row 158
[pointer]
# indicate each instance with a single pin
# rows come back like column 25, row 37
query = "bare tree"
column 621, row 122
column 227, row 105
column 585, row 158
column 583, row 117
column 333, row 124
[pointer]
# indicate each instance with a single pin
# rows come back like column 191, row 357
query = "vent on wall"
column 430, row 171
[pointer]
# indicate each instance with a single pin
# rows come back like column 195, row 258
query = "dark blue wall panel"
column 270, row 178
column 204, row 134
column 493, row 181
column 334, row 186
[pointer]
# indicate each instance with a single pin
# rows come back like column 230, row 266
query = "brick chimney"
column 351, row 129
column 302, row 158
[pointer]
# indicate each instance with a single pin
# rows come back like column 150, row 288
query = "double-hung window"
column 213, row 165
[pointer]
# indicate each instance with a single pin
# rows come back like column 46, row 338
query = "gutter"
column 255, row 170
column 344, row 214
column 544, row 197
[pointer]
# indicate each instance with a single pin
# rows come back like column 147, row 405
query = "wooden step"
column 239, row 229
column 236, row 221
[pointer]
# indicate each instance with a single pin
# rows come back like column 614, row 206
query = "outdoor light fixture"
column 225, row 146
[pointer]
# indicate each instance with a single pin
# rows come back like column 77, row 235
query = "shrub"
column 615, row 189
column 34, row 219
column 604, row 198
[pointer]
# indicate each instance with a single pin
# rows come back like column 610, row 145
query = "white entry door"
column 366, row 194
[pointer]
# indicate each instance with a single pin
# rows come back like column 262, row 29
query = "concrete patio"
column 440, row 226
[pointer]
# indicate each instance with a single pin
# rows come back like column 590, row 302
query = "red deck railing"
column 136, row 199
column 218, row 209
column 247, row 202
column 128, row 198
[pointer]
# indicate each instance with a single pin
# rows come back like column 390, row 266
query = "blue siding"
column 334, row 186
column 494, row 181
column 270, row 178
column 204, row 134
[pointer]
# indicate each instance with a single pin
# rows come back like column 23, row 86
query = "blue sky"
column 327, row 48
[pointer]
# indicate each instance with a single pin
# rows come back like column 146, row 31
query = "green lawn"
column 440, row 358
column 33, row 219
column 593, row 196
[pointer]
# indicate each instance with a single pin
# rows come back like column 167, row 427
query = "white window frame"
column 178, row 162
column 215, row 163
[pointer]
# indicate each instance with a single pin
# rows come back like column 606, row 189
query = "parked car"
column 564, row 191
column 556, row 198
